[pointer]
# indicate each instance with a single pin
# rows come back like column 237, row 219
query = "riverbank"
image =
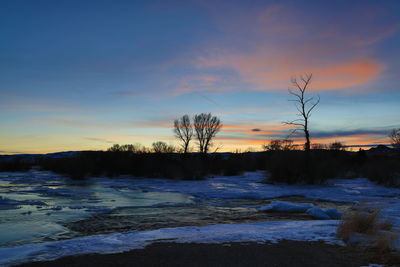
column 284, row 253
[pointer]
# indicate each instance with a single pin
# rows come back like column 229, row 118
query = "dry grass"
column 369, row 231
column 362, row 223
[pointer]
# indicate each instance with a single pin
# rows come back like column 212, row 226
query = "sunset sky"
column 79, row 75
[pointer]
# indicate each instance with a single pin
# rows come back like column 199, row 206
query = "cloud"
column 98, row 140
column 357, row 132
column 244, row 136
column 261, row 49
column 267, row 69
column 10, row 152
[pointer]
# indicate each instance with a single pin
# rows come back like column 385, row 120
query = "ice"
column 285, row 206
column 249, row 185
column 7, row 203
column 333, row 213
column 220, row 233
column 66, row 200
column 309, row 208
column 318, row 213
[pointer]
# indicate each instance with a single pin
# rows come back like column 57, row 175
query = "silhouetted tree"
column 304, row 105
column 317, row 146
column 277, row 145
column 336, row 146
column 206, row 127
column 162, row 147
column 183, row 130
column 114, row 148
column 136, row 148
column 395, row 138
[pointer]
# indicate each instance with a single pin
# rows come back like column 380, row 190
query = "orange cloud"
column 266, row 47
column 271, row 69
column 346, row 74
column 232, row 142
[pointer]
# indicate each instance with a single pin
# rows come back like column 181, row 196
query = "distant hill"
column 33, row 157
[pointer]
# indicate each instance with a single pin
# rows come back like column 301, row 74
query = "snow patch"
column 221, row 233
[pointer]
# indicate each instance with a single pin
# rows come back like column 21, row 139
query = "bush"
column 15, row 165
column 383, row 170
column 292, row 166
column 161, row 165
column 300, row 167
column 278, row 145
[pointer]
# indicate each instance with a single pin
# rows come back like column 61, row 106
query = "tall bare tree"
column 304, row 105
column 183, row 130
column 395, row 138
column 206, row 128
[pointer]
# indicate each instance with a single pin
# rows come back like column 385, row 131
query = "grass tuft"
column 368, row 231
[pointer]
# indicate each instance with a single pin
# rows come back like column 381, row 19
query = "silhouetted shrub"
column 382, row 169
column 278, row 145
column 292, row 167
column 312, row 167
column 162, row 147
column 162, row 165
column 336, row 146
column 15, row 165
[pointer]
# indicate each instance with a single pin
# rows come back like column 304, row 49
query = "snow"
column 118, row 242
column 249, row 186
column 59, row 200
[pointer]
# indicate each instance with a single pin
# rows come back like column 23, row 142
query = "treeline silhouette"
column 192, row 166
column 281, row 166
column 16, row 164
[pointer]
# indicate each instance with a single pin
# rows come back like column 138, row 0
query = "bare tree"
column 336, row 146
column 304, row 106
column 278, row 144
column 162, row 147
column 136, row 148
column 183, row 130
column 206, row 127
column 395, row 138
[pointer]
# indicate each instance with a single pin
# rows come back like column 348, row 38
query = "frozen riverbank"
column 221, row 233
column 39, row 205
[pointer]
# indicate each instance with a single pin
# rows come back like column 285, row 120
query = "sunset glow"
column 84, row 75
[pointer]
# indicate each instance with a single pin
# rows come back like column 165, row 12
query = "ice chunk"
column 285, row 206
column 318, row 213
column 333, row 213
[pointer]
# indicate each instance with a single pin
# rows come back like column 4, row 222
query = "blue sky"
column 81, row 75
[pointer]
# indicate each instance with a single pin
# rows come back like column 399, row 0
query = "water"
column 36, row 206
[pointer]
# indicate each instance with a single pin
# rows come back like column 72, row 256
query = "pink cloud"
column 265, row 48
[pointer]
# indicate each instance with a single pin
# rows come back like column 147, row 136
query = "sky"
column 84, row 75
